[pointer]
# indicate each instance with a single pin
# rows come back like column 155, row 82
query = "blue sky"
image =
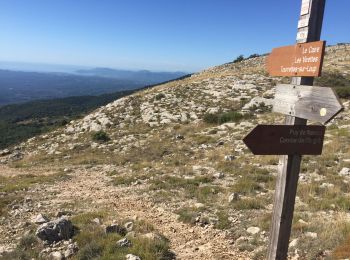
column 186, row 35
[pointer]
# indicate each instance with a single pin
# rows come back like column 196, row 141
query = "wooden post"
column 289, row 165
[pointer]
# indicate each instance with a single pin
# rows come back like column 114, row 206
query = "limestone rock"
column 40, row 219
column 5, row 152
column 56, row 255
column 54, row 231
column 115, row 228
column 293, row 243
column 229, row 158
column 233, row 197
column 253, row 230
column 129, row 226
column 71, row 250
column 311, row 234
column 345, row 172
column 132, row 257
column 219, row 175
column 124, row 242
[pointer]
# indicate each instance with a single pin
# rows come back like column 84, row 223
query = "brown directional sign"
column 303, row 59
column 285, row 139
column 319, row 104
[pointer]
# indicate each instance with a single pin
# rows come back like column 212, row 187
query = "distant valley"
column 20, row 86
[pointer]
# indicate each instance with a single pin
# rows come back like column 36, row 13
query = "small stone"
column 56, row 255
column 301, row 221
column 40, row 219
column 71, row 250
column 219, row 175
column 326, row 185
column 27, row 200
column 132, row 257
column 179, row 137
column 253, row 230
column 344, row 172
column 124, row 242
column 293, row 243
column 233, row 197
column 229, row 158
column 199, row 205
column 311, row 234
column 5, row 152
column 97, row 221
column 114, row 228
column 129, row 226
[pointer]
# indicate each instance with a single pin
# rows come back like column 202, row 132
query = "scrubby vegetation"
column 100, row 136
column 337, row 80
column 22, row 121
column 94, row 242
column 238, row 59
column 224, row 117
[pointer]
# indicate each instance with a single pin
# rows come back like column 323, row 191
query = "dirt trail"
column 186, row 241
column 91, row 190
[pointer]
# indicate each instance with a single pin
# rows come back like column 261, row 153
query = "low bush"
column 255, row 55
column 100, row 136
column 95, row 243
column 224, row 117
column 335, row 79
column 239, row 59
column 159, row 96
column 343, row 92
column 188, row 215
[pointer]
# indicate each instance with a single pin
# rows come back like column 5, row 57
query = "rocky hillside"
column 163, row 174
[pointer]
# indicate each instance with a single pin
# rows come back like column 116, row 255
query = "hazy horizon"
column 65, row 68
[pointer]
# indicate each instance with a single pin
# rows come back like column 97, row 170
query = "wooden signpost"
column 285, row 139
column 303, row 59
column 299, row 101
column 318, row 104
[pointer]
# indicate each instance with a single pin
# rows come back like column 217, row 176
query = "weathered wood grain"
column 289, row 165
column 285, row 139
column 319, row 104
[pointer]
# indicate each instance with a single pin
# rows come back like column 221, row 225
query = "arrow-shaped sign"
column 318, row 104
column 285, row 139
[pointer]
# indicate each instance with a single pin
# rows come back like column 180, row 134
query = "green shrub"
column 335, row 79
column 343, row 92
column 224, row 117
column 90, row 250
column 249, row 203
column 255, row 55
column 223, row 221
column 188, row 215
column 100, row 136
column 159, row 96
column 95, row 244
column 28, row 242
column 239, row 59
column 28, row 248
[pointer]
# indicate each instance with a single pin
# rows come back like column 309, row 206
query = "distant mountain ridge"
column 140, row 75
column 20, row 86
